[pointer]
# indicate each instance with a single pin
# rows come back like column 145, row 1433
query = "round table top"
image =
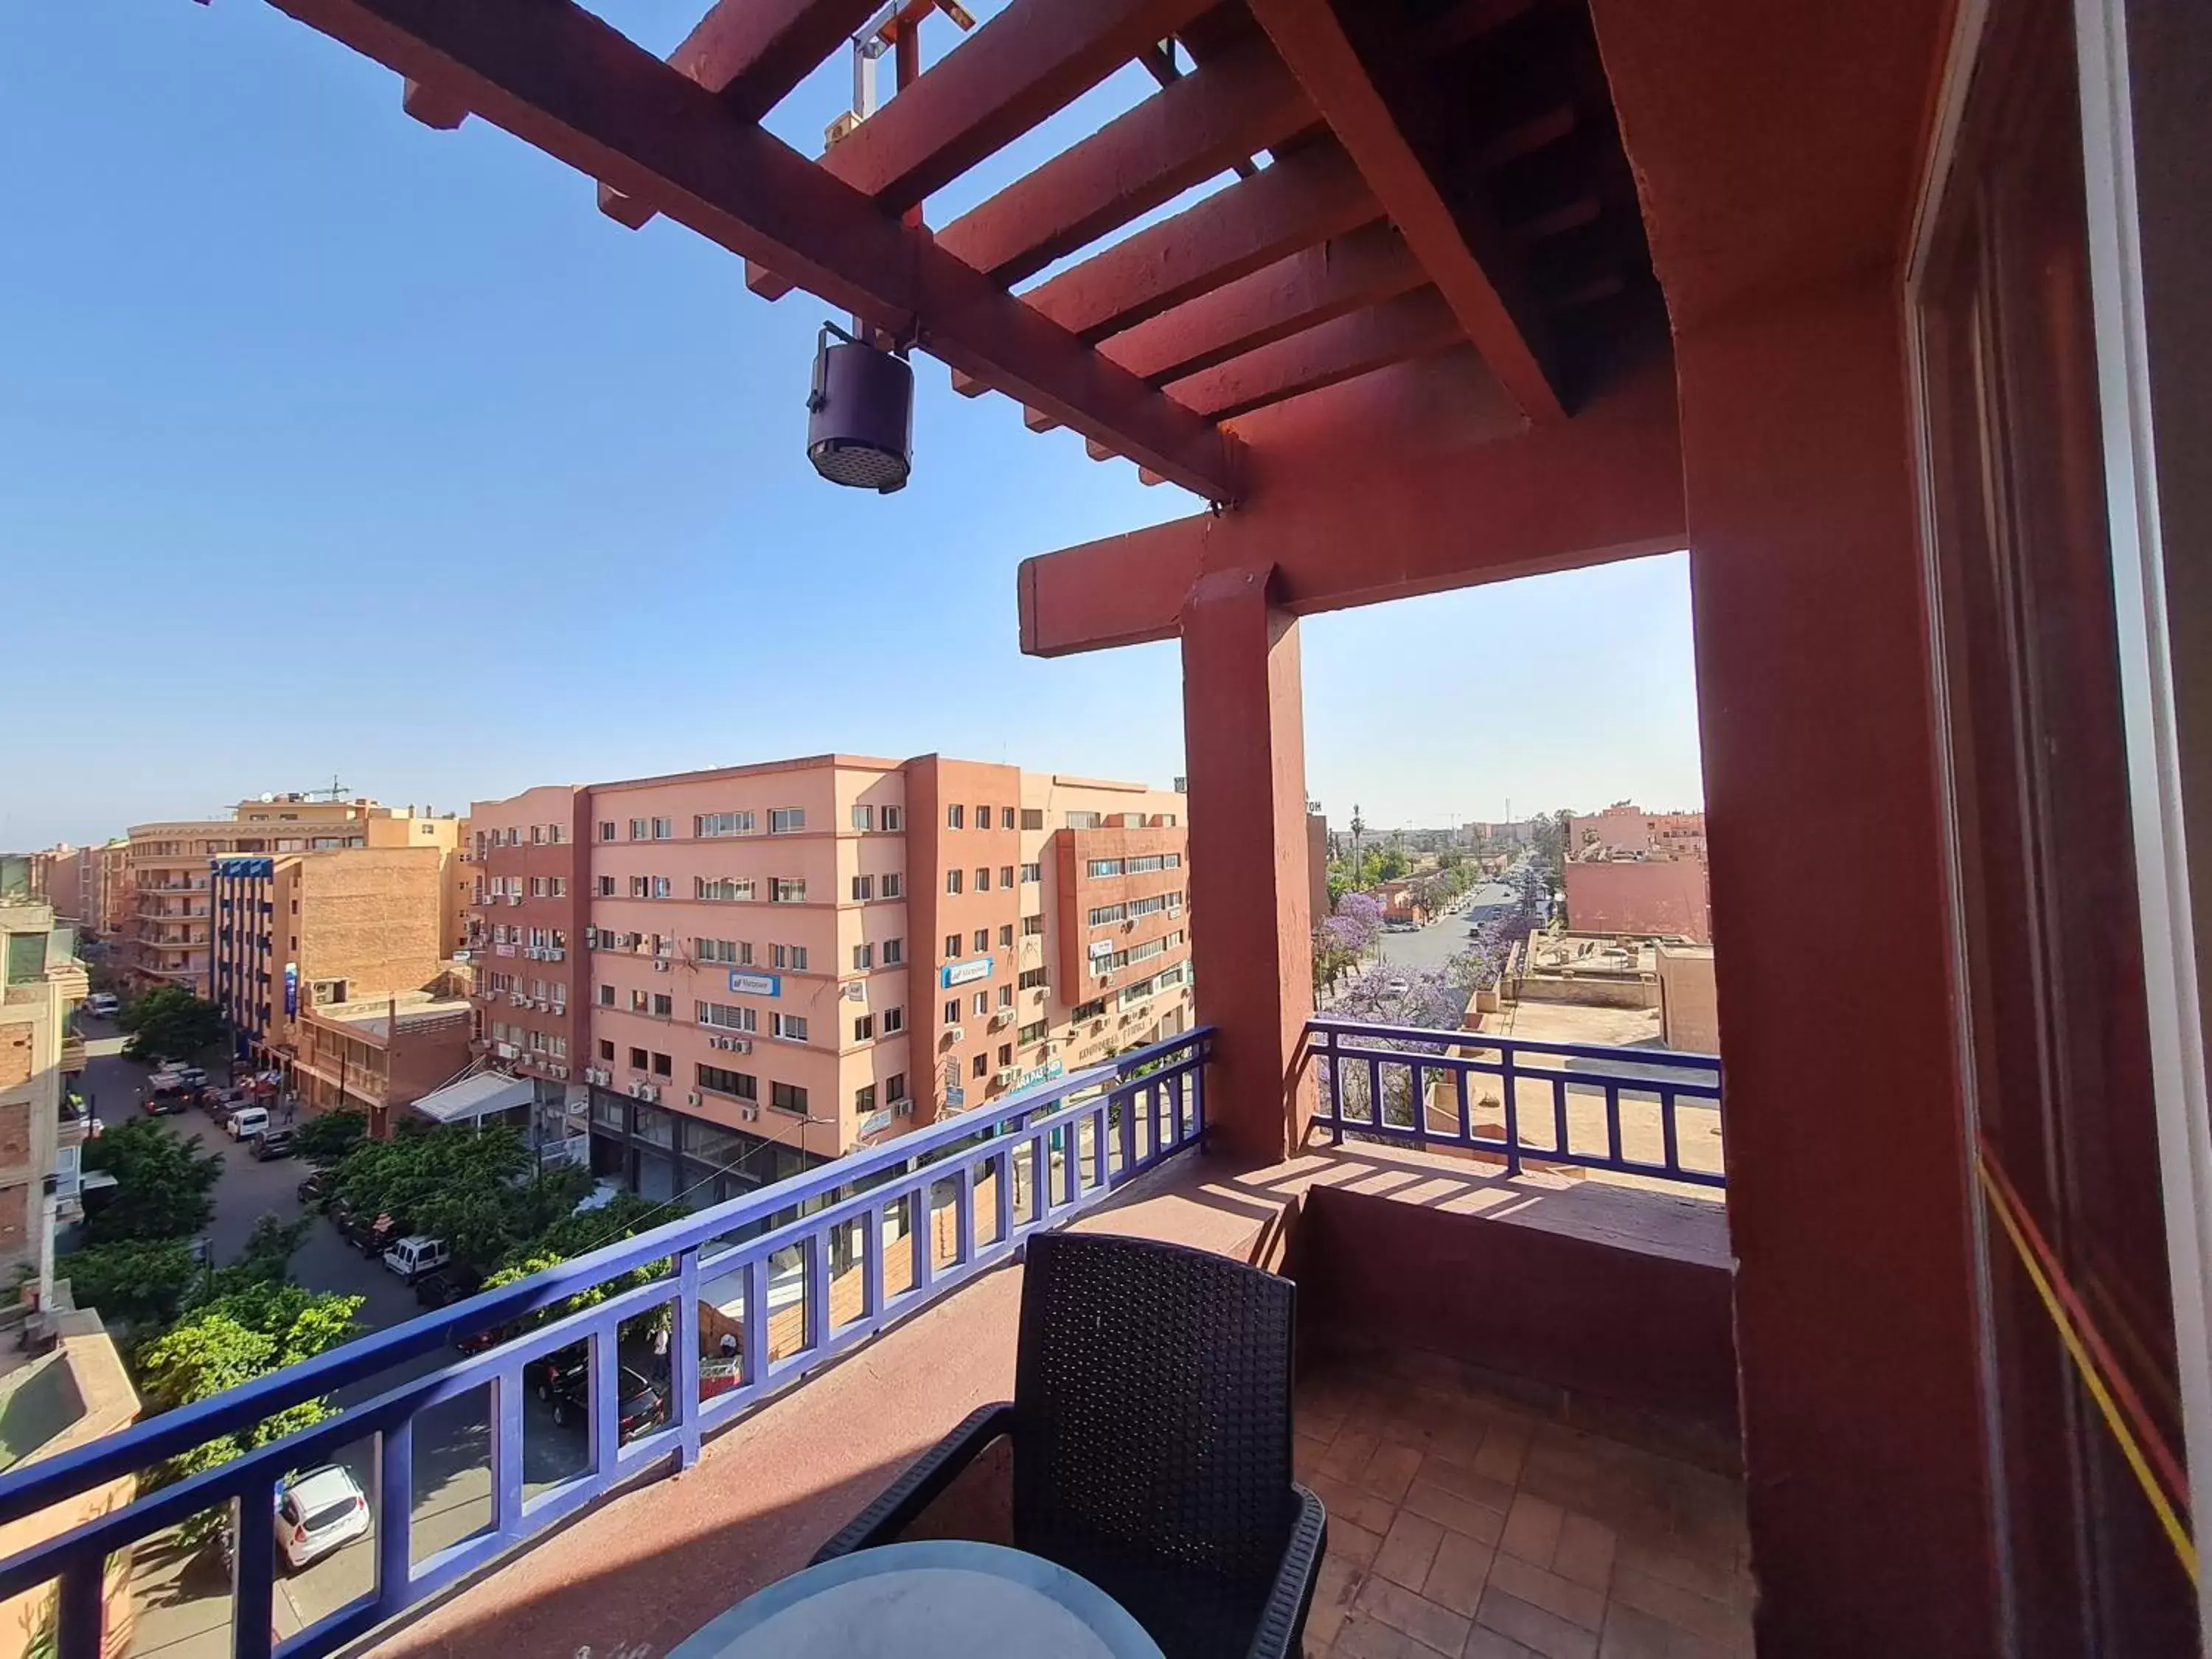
column 931, row 1599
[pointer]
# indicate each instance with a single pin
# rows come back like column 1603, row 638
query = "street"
column 1431, row 946
column 182, row 1597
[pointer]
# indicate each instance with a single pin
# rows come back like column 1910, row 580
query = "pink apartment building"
column 739, row 972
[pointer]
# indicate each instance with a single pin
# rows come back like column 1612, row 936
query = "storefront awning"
column 478, row 1096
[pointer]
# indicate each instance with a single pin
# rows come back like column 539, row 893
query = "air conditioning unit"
column 741, row 1045
column 1006, row 1074
column 1004, row 1017
column 748, row 1114
column 517, row 998
column 902, row 1108
column 556, row 953
column 505, row 1050
column 644, row 1092
column 856, row 991
column 660, row 964
column 561, row 1071
column 593, row 1075
column 515, row 898
column 956, row 1034
column 692, row 1099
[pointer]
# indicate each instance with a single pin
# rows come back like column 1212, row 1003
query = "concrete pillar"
column 1251, row 922
column 1848, row 1184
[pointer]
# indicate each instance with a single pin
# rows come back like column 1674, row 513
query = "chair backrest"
column 1152, row 1395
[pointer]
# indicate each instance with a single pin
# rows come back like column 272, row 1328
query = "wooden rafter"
column 1194, row 127
column 559, row 78
column 1412, row 326
column 1470, row 261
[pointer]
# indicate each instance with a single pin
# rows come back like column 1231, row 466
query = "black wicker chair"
column 1150, row 1430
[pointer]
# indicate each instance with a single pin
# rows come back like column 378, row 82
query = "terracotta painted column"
column 1250, row 902
column 1848, row 1196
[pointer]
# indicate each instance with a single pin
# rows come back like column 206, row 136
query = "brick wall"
column 16, row 1053
column 15, row 1133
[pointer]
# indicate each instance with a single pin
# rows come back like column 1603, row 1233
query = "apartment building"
column 525, row 872
column 296, row 932
column 40, row 1137
column 1625, row 828
column 170, row 940
column 781, row 962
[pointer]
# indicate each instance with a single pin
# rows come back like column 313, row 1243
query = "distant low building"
column 1646, row 896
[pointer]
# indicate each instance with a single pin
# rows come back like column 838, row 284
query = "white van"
column 103, row 1004
column 244, row 1126
column 416, row 1255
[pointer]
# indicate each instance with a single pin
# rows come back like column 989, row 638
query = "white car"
column 316, row 1512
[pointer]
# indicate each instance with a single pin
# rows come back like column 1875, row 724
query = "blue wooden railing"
column 1064, row 1146
column 1359, row 1067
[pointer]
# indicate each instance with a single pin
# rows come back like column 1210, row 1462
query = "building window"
column 864, row 818
column 782, row 889
column 982, row 817
column 715, row 1079
column 981, row 1004
column 894, row 1021
column 1032, row 926
column 606, row 994
column 982, row 940
column 952, row 947
column 606, row 829
column 1032, row 872
column 1098, row 867
column 722, row 949
column 556, row 833
column 864, row 958
column 894, row 952
column 1006, row 932
column 792, row 1027
column 557, row 887
column 1005, row 817
column 896, row 1087
column 637, row 829
column 660, row 887
column 1005, row 1053
column 637, row 1002
column 951, row 881
column 982, row 878
column 864, row 1028
column 1032, row 978
column 639, row 1059
column 1032, row 818
column 1088, row 1011
column 892, row 817
column 791, row 957
column 788, row 1098
column 953, row 1011
column 783, row 820
column 1032, row 1033
column 980, row 1065
column 707, row 825
column 890, row 886
column 1006, row 875
column 663, row 828
column 1083, row 820
column 537, row 836
column 864, row 889
column 1006, row 996
column 664, row 1006
column 606, row 886
column 1106, row 914
column 606, row 1050
column 640, row 886
column 954, row 816
column 726, row 889
column 663, row 1065
column 727, row 1015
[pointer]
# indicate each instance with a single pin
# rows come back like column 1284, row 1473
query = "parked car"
column 451, row 1283
column 643, row 1403
column 191, row 1077
column 311, row 1190
column 103, row 1004
column 558, row 1370
column 316, row 1512
column 416, row 1255
column 275, row 1143
column 477, row 1341
column 244, row 1125
column 370, row 1235
column 161, row 1105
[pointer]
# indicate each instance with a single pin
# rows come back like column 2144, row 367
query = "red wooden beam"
column 1309, row 287
column 1468, row 259
column 559, row 78
column 1303, row 199
column 753, row 52
column 1606, row 485
column 1411, row 326
column 1005, row 77
column 1196, row 127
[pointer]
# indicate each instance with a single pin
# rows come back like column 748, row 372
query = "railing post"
column 1099, row 1147
column 1512, row 1109
column 257, row 1574
column 395, row 1513
column 964, row 1221
column 683, row 1360
column 871, row 1262
column 1126, row 1130
column 604, row 1351
column 814, row 1253
column 507, row 1464
column 80, row 1614
column 1335, row 1093
column 755, row 1343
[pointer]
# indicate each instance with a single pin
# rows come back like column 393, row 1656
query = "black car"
column 451, row 1282
column 275, row 1143
column 643, row 1403
column 313, row 1188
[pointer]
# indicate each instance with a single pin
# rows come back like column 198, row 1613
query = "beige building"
column 38, row 1137
column 170, row 938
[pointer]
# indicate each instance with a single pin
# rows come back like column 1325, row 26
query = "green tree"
column 141, row 1281
column 324, row 1138
column 164, row 1185
column 170, row 1022
column 578, row 1233
column 228, row 1342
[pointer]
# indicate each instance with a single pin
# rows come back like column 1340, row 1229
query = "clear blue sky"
column 330, row 443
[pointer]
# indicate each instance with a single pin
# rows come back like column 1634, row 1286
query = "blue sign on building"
column 965, row 973
column 755, row 985
column 291, row 989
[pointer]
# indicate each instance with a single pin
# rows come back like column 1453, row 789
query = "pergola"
column 1500, row 287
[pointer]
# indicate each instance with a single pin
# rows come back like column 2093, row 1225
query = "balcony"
column 1569, row 1463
